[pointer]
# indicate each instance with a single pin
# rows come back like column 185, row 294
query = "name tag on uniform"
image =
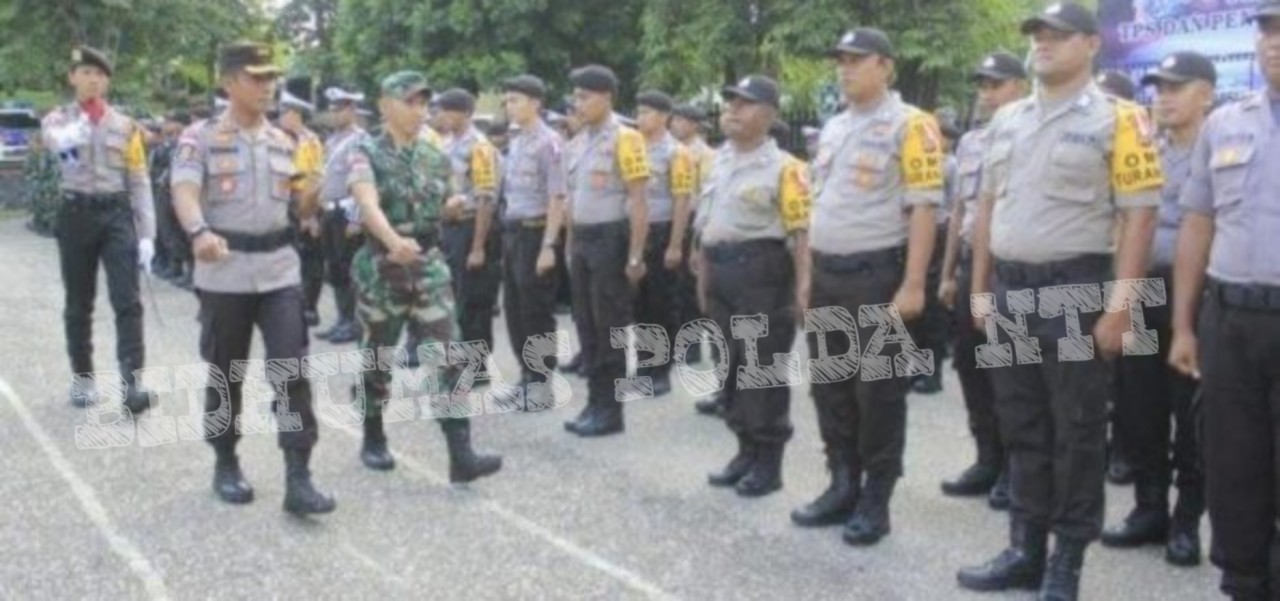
column 599, row 180
column 1231, row 156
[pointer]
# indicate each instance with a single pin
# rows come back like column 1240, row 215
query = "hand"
column 546, row 261
column 635, row 272
column 209, row 247
column 453, row 207
column 404, row 251
column 475, row 260
column 947, row 293
column 803, row 291
column 1184, row 354
column 310, row 226
column 979, row 323
column 1108, row 333
column 673, row 258
column 146, row 252
column 910, row 302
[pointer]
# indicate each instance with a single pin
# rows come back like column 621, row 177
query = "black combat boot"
column 979, row 478
column 465, row 465
column 300, row 495
column 1183, row 547
column 1062, row 578
column 1020, row 566
column 870, row 521
column 1148, row 523
column 737, row 468
column 606, row 419
column 661, row 382
column 765, row 475
column 136, row 399
column 716, row 405
column 374, row 451
column 228, row 480
column 999, row 497
column 836, row 504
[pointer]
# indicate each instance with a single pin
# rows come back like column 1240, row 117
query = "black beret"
column 595, row 78
column 655, row 100
column 690, row 112
column 84, row 55
column 456, row 99
column 250, row 57
column 529, row 85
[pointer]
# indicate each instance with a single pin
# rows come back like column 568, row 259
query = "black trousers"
column 754, row 278
column 339, row 250
column 312, row 252
column 602, row 300
column 687, row 284
column 1053, row 414
column 975, row 384
column 90, row 233
column 933, row 331
column 657, row 300
column 1152, row 396
column 474, row 290
column 1240, row 391
column 864, row 424
column 529, row 302
column 226, row 332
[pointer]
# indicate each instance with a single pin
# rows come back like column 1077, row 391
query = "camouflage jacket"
column 413, row 182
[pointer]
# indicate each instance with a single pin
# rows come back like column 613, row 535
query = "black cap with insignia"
column 863, row 41
column 595, row 78
column 248, row 57
column 529, row 85
column 1117, row 84
column 1181, row 67
column 456, row 100
column 84, row 55
column 1000, row 66
column 658, row 101
column 1265, row 10
column 755, row 88
column 1063, row 16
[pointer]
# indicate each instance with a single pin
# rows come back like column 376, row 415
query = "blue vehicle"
column 17, row 126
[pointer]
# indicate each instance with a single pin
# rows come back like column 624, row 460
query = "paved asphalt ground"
column 623, row 517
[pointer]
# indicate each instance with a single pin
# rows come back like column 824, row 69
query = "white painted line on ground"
column 88, row 498
column 373, row 565
column 568, row 547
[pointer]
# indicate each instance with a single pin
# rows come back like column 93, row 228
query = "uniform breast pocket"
column 868, row 169
column 1230, row 167
column 756, row 209
column 967, row 181
column 282, row 172
column 227, row 179
column 115, row 146
column 1075, row 173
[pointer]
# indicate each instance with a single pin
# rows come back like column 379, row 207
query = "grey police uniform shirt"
column 757, row 195
column 942, row 216
column 1176, row 163
column 863, row 198
column 1053, row 169
column 245, row 188
column 337, row 152
column 968, row 179
column 459, row 149
column 662, row 155
column 533, row 172
column 1234, row 179
column 93, row 159
column 597, row 174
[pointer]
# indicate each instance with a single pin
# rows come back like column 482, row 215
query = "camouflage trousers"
column 393, row 298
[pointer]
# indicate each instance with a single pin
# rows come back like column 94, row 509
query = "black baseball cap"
column 455, row 99
column 1117, row 84
column 529, row 85
column 595, row 78
column 1000, row 66
column 863, row 41
column 1265, row 10
column 658, row 101
column 85, row 55
column 1063, row 16
column 755, row 88
column 1181, row 67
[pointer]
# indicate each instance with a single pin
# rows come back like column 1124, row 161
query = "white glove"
column 146, row 252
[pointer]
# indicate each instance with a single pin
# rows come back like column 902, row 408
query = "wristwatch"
column 200, row 228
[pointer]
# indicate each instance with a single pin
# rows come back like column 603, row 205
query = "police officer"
column 1117, row 84
column 233, row 189
column 1061, row 169
column 294, row 113
column 107, row 217
column 469, row 243
column 1151, row 393
column 879, row 179
column 342, row 236
column 1000, row 79
column 608, row 171
column 671, row 183
column 755, row 203
column 401, row 182
column 1230, row 226
column 534, row 189
column 176, row 265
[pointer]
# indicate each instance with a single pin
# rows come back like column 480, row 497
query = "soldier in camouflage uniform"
column 400, row 182
column 41, row 175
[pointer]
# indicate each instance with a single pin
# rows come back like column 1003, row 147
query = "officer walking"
column 176, row 264
column 401, row 182
column 534, row 213
column 608, row 171
column 1230, row 226
column 107, row 217
column 1000, row 79
column 234, row 184
column 755, row 203
column 340, row 222
column 879, row 176
column 1062, row 168
column 294, row 113
column 1151, row 393
column 672, row 175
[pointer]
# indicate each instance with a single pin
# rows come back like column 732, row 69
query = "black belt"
column 80, row 200
column 257, row 243
column 594, row 231
column 863, row 262
column 465, row 217
column 531, row 223
column 1017, row 273
column 1256, row 297
column 733, row 252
